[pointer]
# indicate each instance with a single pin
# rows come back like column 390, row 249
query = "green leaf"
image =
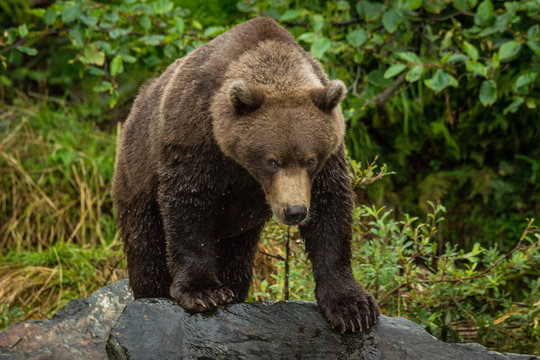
column 509, row 50
column 534, row 32
column 476, row 67
column 213, row 31
column 23, row 30
column 461, row 5
column 495, row 62
column 152, row 60
column 454, row 58
column 179, row 24
column 415, row 73
column 412, row 4
column 116, row 33
column 391, row 19
column 104, row 86
column 440, row 81
column 376, row 77
column 534, row 46
column 409, row 56
column 244, row 6
column 152, row 40
column 525, row 79
column 485, row 10
column 75, row 33
column 27, row 50
column 145, row 22
column 113, row 99
column 94, row 70
column 91, row 21
column 471, row 50
column 50, row 15
column 370, row 11
column 128, row 58
column 445, row 58
column 357, row 38
column 71, row 13
column 514, row 106
column 394, row 70
column 37, row 12
column 6, row 81
column 488, row 92
column 111, row 17
column 317, row 21
column 11, row 35
column 319, row 47
column 93, row 56
column 308, row 37
column 197, row 25
column 163, row 6
column 343, row 5
column 116, row 65
column 290, row 15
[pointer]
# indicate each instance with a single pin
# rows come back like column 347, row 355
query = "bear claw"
column 351, row 310
column 202, row 300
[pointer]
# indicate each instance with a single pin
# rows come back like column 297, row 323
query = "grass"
column 58, row 242
column 56, row 223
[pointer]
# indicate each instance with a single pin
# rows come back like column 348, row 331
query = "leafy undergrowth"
column 483, row 295
column 58, row 242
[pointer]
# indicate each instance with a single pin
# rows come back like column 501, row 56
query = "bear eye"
column 311, row 162
column 273, row 163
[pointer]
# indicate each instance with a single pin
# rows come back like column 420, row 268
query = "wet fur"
column 190, row 216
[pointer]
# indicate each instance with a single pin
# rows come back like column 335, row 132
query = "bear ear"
column 330, row 96
column 244, row 98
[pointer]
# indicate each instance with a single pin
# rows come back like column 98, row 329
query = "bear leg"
column 345, row 304
column 144, row 244
column 236, row 258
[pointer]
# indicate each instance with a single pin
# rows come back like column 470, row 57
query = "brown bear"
column 241, row 128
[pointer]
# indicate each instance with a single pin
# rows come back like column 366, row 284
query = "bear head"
column 282, row 138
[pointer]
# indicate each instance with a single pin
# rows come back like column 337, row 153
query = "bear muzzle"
column 289, row 195
column 294, row 214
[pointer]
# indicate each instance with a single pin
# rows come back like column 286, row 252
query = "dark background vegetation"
column 444, row 92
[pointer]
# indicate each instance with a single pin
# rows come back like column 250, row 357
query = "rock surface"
column 160, row 329
column 78, row 331
column 271, row 330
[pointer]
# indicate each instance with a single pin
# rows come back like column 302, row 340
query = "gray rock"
column 160, row 329
column 78, row 331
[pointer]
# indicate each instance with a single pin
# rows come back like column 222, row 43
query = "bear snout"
column 294, row 214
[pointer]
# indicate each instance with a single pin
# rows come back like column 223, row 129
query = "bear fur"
column 241, row 128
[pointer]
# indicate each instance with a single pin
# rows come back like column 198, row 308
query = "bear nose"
column 294, row 214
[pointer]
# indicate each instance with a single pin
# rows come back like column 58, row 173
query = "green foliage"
column 480, row 295
column 91, row 47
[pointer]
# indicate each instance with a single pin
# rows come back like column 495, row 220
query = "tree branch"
column 387, row 93
column 278, row 257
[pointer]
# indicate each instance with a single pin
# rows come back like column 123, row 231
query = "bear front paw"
column 352, row 309
column 202, row 300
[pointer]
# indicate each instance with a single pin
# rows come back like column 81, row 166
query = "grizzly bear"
column 241, row 128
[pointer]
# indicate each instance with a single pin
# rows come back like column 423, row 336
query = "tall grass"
column 57, row 231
